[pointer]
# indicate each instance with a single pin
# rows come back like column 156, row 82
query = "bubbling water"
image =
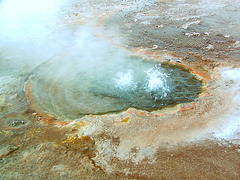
column 68, row 87
column 157, row 80
column 125, row 81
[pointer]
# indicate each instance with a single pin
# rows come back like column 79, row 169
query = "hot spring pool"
column 74, row 86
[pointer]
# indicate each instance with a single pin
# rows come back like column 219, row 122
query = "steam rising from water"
column 108, row 80
column 27, row 19
column 30, row 33
column 79, row 73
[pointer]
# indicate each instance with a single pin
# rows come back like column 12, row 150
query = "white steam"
column 27, row 19
column 31, row 31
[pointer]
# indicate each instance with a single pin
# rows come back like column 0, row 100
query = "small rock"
column 210, row 47
column 86, row 148
column 185, row 26
column 160, row 26
column 236, row 44
column 226, row 36
column 192, row 34
column 155, row 47
column 7, row 150
column 17, row 123
column 14, row 123
column 196, row 34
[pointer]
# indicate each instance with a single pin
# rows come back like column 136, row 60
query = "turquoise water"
column 75, row 86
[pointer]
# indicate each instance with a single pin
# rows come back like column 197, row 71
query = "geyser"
column 73, row 86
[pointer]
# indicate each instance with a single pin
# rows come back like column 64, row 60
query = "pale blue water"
column 75, row 86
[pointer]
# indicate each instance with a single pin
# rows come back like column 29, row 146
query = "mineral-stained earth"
column 192, row 140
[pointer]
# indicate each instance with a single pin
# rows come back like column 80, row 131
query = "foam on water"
column 157, row 80
column 125, row 81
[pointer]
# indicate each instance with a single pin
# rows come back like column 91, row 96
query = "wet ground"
column 196, row 140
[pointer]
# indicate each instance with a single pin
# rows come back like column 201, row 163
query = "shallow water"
column 73, row 86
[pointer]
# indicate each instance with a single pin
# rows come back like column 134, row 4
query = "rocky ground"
column 198, row 140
